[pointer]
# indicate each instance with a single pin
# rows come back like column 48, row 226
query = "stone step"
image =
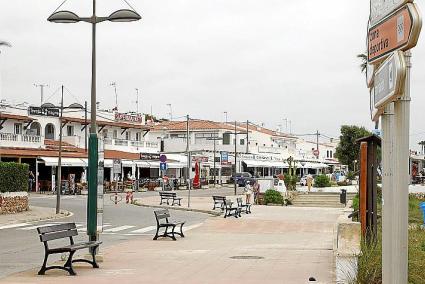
column 324, row 205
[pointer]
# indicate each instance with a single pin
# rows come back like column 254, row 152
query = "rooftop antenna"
column 114, row 84
column 41, row 86
column 137, row 100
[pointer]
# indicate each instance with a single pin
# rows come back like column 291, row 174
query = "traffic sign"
column 379, row 9
column 163, row 166
column 316, row 152
column 163, row 158
column 389, row 80
column 400, row 31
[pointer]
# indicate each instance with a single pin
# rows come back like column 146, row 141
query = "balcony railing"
column 11, row 137
column 130, row 143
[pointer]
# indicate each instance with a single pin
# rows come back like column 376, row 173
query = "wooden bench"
column 219, row 200
column 64, row 231
column 160, row 216
column 170, row 195
column 228, row 206
column 242, row 206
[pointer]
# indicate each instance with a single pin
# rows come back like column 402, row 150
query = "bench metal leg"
column 68, row 264
column 43, row 267
column 92, row 262
column 156, row 235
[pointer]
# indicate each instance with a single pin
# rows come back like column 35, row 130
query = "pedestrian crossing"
column 108, row 229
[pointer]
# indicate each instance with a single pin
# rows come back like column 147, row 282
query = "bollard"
column 343, row 196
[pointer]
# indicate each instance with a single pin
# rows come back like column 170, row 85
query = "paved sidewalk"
column 34, row 214
column 272, row 245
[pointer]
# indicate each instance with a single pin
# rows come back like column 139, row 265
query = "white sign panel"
column 379, row 9
column 389, row 79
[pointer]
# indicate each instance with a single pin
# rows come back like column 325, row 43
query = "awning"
column 264, row 164
column 65, row 162
column 108, row 163
column 127, row 163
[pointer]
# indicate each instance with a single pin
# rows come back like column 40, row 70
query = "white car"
column 303, row 181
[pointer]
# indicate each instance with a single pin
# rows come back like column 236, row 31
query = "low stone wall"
column 346, row 247
column 13, row 202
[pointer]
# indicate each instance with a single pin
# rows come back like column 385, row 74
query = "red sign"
column 316, row 153
column 128, row 117
column 400, row 31
column 200, row 159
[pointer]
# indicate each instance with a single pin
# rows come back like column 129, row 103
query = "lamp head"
column 64, row 17
column 124, row 15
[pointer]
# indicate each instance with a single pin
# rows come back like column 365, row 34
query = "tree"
column 4, row 43
column 363, row 58
column 348, row 149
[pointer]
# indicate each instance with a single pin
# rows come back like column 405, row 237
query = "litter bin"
column 422, row 206
column 343, row 196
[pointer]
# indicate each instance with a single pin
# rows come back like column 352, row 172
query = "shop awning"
column 65, row 162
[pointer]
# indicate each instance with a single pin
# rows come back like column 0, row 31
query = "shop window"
column 18, row 128
column 69, row 130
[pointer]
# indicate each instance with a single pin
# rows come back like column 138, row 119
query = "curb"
column 210, row 212
column 61, row 215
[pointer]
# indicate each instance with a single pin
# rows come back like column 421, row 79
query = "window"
column 127, row 135
column 105, row 133
column 69, row 130
column 226, row 138
column 138, row 136
column 242, row 142
column 115, row 134
column 18, row 128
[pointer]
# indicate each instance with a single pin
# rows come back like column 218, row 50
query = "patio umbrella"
column 196, row 180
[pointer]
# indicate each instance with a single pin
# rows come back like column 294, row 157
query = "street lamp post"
column 59, row 171
column 122, row 15
column 215, row 139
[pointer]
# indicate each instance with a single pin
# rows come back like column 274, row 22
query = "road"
column 21, row 249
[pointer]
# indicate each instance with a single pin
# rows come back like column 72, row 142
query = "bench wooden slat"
column 58, row 235
column 56, row 228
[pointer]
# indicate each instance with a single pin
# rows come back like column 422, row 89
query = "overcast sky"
column 258, row 60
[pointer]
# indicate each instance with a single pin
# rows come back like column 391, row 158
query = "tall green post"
column 92, row 194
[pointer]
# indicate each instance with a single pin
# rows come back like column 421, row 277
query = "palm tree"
column 4, row 43
column 363, row 58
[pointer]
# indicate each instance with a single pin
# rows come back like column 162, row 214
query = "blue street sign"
column 163, row 166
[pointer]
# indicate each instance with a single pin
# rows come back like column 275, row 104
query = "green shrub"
column 13, row 177
column 322, row 181
column 273, row 196
column 351, row 175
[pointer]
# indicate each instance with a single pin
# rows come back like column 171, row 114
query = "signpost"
column 379, row 9
column 394, row 29
column 400, row 31
column 100, row 179
column 389, row 80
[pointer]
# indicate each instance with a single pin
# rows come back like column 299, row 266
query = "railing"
column 8, row 137
column 107, row 141
column 31, row 138
column 15, row 139
column 137, row 143
column 151, row 144
column 121, row 142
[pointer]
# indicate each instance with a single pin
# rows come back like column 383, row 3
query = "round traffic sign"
column 316, row 153
column 163, row 158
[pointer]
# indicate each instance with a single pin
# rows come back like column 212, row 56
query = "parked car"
column 242, row 178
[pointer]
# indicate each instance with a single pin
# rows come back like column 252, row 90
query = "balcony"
column 20, row 140
column 132, row 146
